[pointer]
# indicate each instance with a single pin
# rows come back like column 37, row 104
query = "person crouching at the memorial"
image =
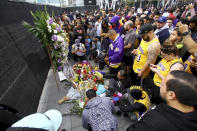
column 136, row 101
column 119, row 84
column 97, row 115
column 78, row 51
column 116, row 53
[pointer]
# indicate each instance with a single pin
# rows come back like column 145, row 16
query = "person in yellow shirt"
column 146, row 53
column 171, row 61
column 138, row 102
column 188, row 62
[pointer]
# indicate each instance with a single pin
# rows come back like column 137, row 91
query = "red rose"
column 115, row 95
column 95, row 88
column 89, row 76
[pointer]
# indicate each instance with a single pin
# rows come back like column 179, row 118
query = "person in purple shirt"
column 116, row 52
column 115, row 25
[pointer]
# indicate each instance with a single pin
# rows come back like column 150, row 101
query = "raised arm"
column 187, row 40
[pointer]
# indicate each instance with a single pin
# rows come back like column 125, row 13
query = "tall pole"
column 158, row 3
column 140, row 3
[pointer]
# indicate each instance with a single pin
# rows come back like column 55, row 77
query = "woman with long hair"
column 138, row 23
column 104, row 36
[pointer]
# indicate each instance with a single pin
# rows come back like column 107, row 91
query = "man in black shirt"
column 179, row 90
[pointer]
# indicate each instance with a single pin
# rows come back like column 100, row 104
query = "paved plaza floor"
column 51, row 94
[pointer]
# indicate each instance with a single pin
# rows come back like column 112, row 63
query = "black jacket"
column 8, row 116
column 166, row 118
column 194, row 71
column 24, row 129
column 163, row 35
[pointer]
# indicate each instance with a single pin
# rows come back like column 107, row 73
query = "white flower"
column 60, row 39
column 50, row 30
column 81, row 104
column 63, row 44
column 55, row 31
column 63, row 48
column 64, row 54
column 48, row 26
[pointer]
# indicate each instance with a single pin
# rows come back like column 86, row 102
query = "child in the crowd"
column 99, row 56
column 87, row 44
column 96, row 44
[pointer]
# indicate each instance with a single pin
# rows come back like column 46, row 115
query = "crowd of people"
column 151, row 55
column 151, row 61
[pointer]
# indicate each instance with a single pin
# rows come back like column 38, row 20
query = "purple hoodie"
column 115, row 20
column 116, row 51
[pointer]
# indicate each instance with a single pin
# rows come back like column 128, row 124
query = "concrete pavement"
column 51, row 94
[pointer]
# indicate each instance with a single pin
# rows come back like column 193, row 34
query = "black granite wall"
column 24, row 64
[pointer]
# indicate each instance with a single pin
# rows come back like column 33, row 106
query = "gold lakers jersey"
column 164, row 68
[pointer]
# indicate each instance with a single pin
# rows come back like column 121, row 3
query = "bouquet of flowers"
column 97, row 77
column 39, row 29
column 51, row 35
column 82, row 71
column 59, row 44
column 77, row 109
column 82, row 87
column 85, row 77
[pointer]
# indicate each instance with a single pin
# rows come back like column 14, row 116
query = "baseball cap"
column 162, row 19
column 145, row 29
column 50, row 120
column 77, row 41
column 166, row 14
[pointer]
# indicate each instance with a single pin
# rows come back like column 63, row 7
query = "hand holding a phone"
column 153, row 68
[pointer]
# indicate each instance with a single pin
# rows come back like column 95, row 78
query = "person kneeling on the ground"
column 78, row 50
column 120, row 84
column 99, row 56
column 179, row 90
column 97, row 115
column 116, row 53
column 139, row 102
